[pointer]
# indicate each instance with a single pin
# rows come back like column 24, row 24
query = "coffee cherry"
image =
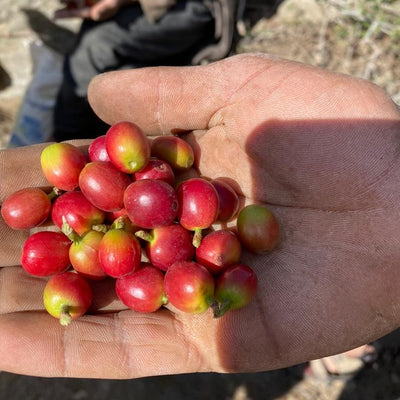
column 26, row 208
column 228, row 201
column 151, row 203
column 189, row 287
column 257, row 228
column 46, row 253
column 167, row 244
column 142, row 290
column 97, row 149
column 178, row 153
column 119, row 253
column 218, row 250
column 61, row 165
column 127, row 146
column 78, row 212
column 67, row 296
column 156, row 169
column 84, row 255
column 198, row 206
column 234, row 289
column 104, row 185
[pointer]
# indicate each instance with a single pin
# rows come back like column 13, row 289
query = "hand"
column 99, row 11
column 320, row 149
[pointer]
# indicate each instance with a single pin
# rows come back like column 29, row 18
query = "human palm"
column 321, row 150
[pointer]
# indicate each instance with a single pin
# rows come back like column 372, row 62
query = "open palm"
column 321, row 150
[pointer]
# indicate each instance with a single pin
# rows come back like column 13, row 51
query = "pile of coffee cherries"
column 122, row 212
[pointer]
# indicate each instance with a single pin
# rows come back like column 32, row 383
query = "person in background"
column 123, row 34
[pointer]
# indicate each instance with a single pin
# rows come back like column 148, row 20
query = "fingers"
column 11, row 245
column 112, row 344
column 102, row 11
column 72, row 13
column 121, row 345
column 20, row 167
column 164, row 99
column 243, row 92
column 14, row 296
column 73, row 9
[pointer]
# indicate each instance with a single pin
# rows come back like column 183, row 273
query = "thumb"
column 72, row 13
column 161, row 99
column 102, row 11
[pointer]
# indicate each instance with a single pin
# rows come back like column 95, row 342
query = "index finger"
column 20, row 167
column 162, row 99
column 248, row 89
column 115, row 345
column 73, row 13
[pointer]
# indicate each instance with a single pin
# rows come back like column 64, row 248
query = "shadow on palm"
column 332, row 283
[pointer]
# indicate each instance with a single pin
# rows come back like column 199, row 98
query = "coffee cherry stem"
column 119, row 223
column 197, row 237
column 220, row 309
column 55, row 192
column 164, row 299
column 68, row 231
column 65, row 316
column 100, row 228
column 147, row 236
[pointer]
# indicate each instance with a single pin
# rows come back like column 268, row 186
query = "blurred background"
column 357, row 37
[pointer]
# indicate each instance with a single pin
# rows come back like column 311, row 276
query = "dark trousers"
column 126, row 41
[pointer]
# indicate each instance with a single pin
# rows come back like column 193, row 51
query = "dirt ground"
column 333, row 34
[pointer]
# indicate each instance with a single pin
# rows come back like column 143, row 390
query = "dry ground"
column 358, row 37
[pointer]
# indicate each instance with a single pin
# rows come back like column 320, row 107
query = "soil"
column 322, row 33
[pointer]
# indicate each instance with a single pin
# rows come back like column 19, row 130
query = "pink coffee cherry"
column 127, row 147
column 218, row 250
column 151, row 203
column 257, row 228
column 174, row 150
column 167, row 244
column 61, row 165
column 228, row 201
column 97, row 149
column 234, row 289
column 142, row 290
column 104, row 185
column 46, row 253
column 26, row 208
column 78, row 212
column 67, row 296
column 198, row 206
column 119, row 253
column 189, row 287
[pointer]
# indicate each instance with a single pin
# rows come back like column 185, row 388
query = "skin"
column 100, row 11
column 320, row 149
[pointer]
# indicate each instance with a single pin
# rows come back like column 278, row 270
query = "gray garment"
column 129, row 40
column 155, row 9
